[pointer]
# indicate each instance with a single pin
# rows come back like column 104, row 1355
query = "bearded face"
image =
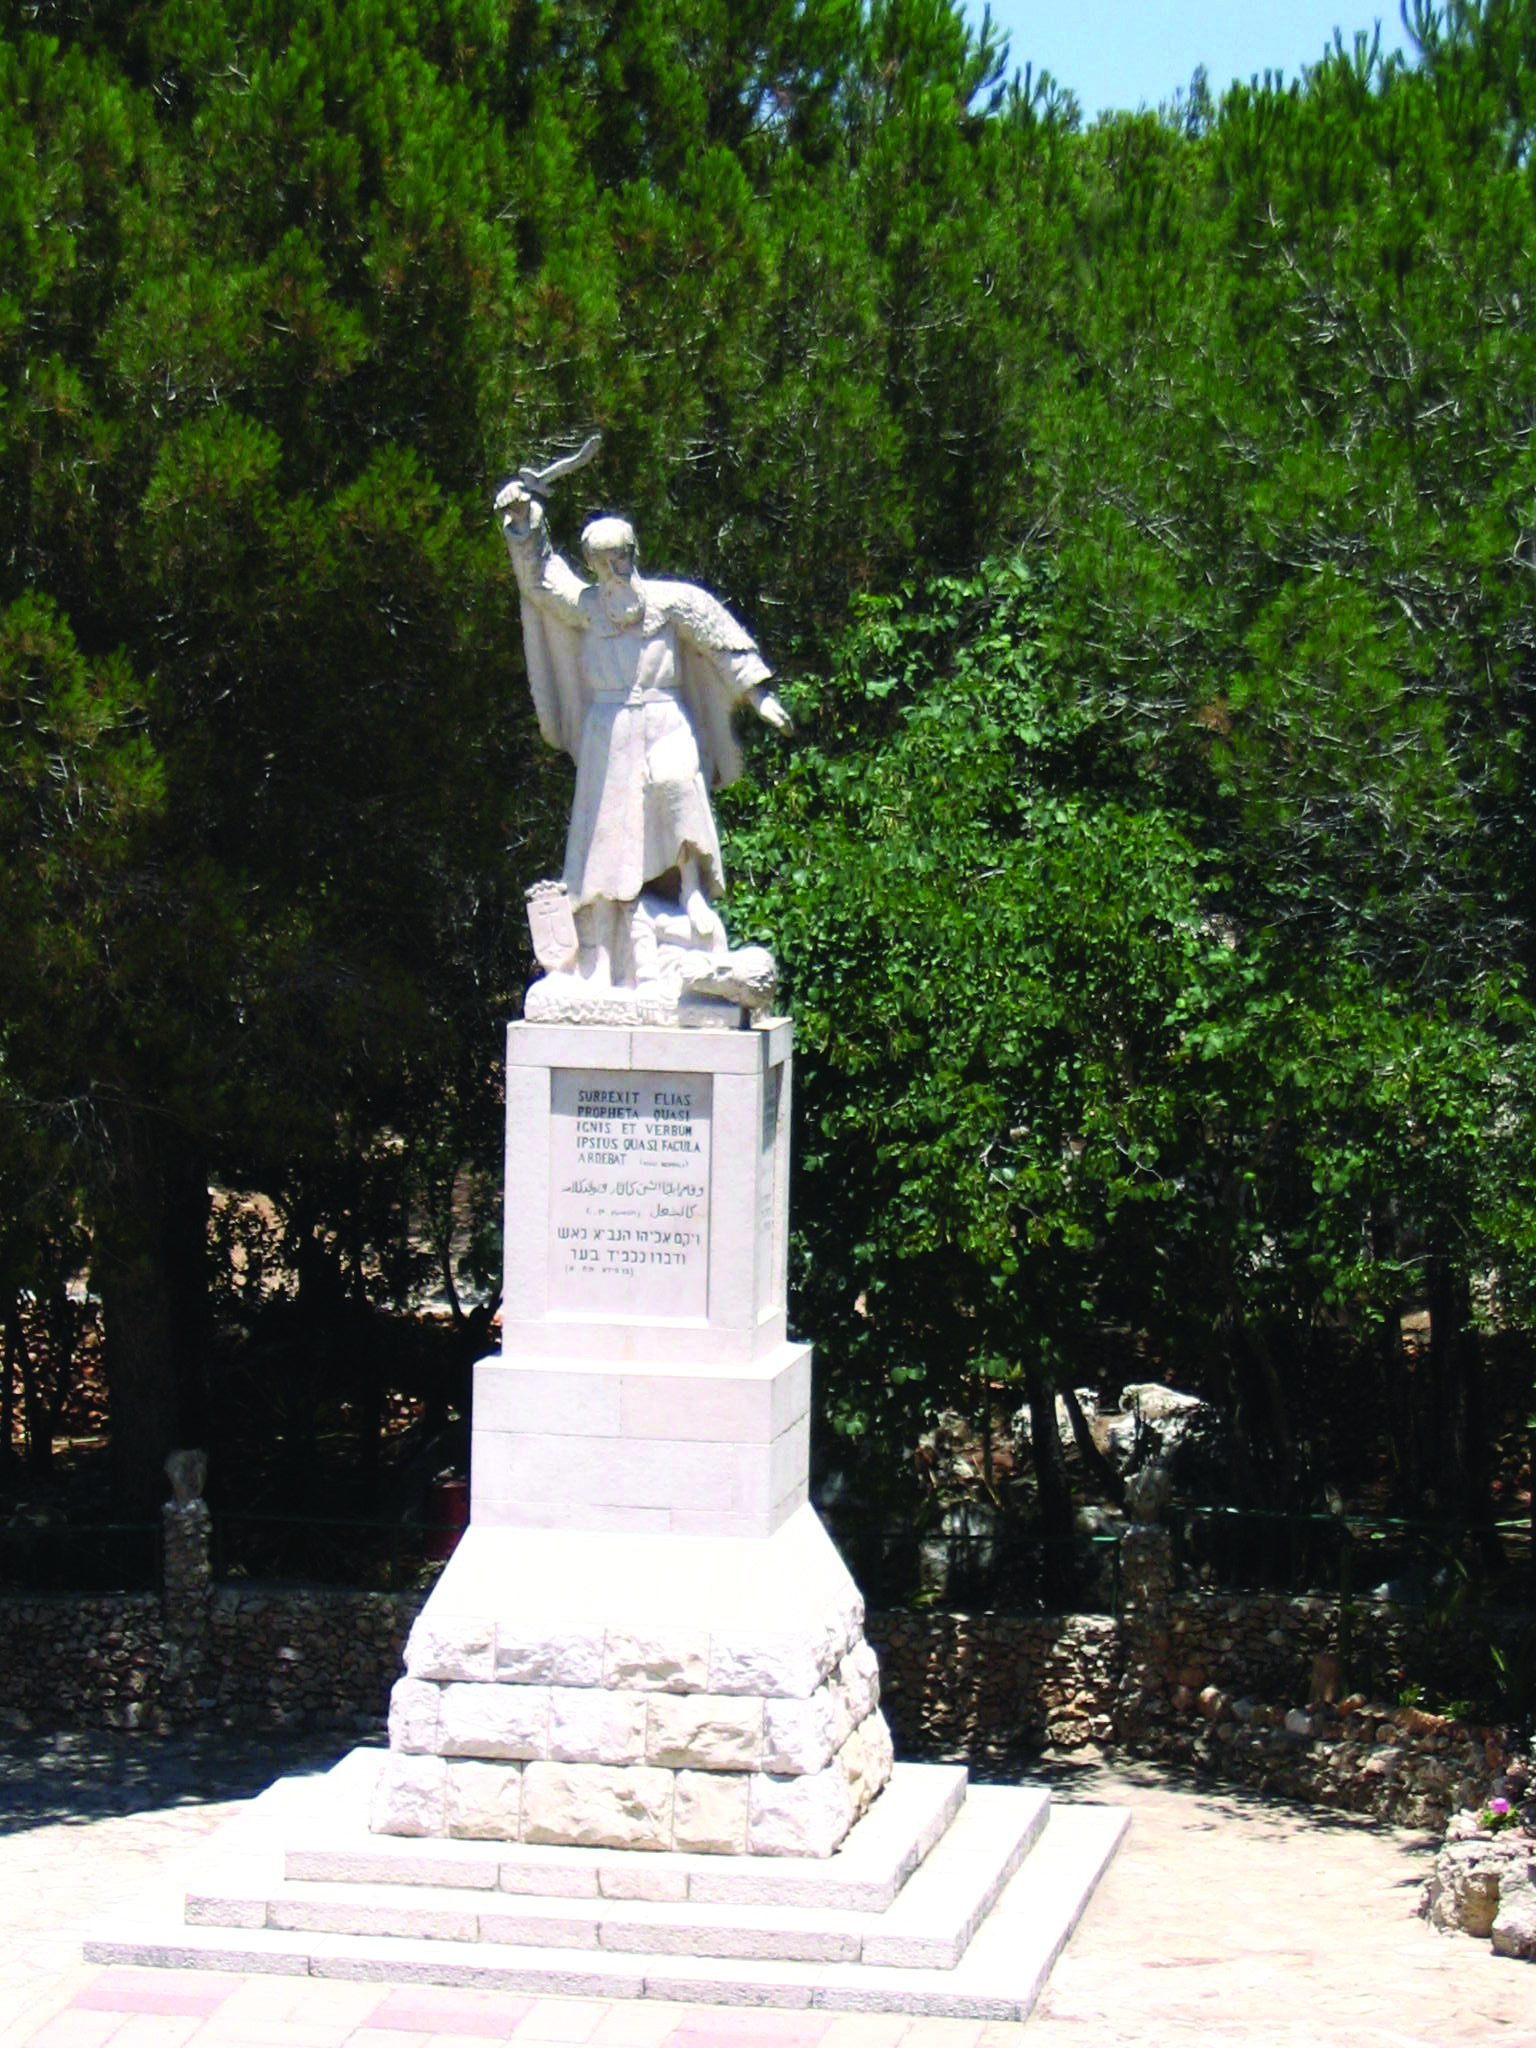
column 619, row 583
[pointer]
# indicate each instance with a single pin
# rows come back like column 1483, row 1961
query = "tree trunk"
column 8, row 1370
column 188, row 1210
column 129, row 1269
column 1456, row 1360
column 1397, row 1385
column 1108, row 1479
column 1054, row 1485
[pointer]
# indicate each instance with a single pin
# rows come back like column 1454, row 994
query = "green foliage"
column 1152, row 898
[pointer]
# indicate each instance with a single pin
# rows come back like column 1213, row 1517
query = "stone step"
column 928, row 1925
column 333, row 1845
column 998, row 1978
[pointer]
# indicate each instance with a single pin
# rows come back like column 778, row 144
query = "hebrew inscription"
column 629, row 1221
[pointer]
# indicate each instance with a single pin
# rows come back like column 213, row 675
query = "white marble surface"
column 631, row 1234
column 637, row 681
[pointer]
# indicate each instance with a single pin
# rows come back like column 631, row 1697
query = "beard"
column 624, row 602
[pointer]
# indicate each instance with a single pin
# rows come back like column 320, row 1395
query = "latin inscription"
column 629, row 1222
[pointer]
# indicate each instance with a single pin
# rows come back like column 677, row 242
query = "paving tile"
column 562, row 2019
column 157, row 2030
column 477, row 2015
column 76, row 2030
column 866, row 2030
column 186, row 1992
column 943, row 2034
column 643, row 2023
column 758, row 2025
column 729, row 2027
column 259, row 2015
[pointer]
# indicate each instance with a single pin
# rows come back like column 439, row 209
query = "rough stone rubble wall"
column 1217, row 1681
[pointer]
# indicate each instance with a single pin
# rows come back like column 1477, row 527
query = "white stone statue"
column 636, row 681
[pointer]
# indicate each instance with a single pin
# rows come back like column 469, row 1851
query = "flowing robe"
column 643, row 706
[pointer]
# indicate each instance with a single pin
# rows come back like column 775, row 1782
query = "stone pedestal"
column 645, row 1640
column 637, row 1746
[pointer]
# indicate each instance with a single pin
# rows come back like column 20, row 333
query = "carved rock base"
column 708, row 1694
column 568, row 999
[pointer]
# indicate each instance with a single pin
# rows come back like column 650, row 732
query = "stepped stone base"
column 944, row 1899
column 700, row 1694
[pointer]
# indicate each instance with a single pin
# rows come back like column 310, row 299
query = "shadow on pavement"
column 79, row 1776
column 1088, row 1776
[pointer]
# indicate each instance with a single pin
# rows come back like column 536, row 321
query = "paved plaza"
column 1225, row 1918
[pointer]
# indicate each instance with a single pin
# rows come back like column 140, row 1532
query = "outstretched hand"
column 771, row 711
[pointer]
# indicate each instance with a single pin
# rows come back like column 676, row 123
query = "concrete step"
column 998, row 1978
column 928, row 1925
column 333, row 1846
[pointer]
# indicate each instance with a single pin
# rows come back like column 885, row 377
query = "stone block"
column 485, row 1801
column 865, row 1760
column 413, row 1708
column 591, row 1725
column 800, row 1736
column 598, row 1806
column 709, row 1813
column 657, row 1662
column 798, row 1816
column 448, row 1646
column 700, row 1732
column 707, row 1407
column 494, row 1721
column 567, row 1657
column 547, row 1399
column 859, row 1674
column 410, row 1796
column 773, row 1666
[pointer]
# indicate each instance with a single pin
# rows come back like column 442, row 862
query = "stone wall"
column 1227, row 1683
column 202, row 1654
column 269, row 1657
column 1231, row 1684
column 956, row 1684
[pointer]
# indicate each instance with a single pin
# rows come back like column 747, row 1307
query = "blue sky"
column 1126, row 53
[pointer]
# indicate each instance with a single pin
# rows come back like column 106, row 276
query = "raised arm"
column 545, row 579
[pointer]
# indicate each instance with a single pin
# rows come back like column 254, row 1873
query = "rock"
column 787, row 1666
column 656, row 1663
column 1514, row 1925
column 410, row 1796
column 1214, row 1704
column 1463, row 1895
column 494, row 1721
column 572, row 1658
column 709, row 1813
column 866, row 1760
column 806, row 1816
column 451, row 1649
column 598, row 1806
column 800, row 1736
column 859, row 1675
column 1298, row 1722
column 703, row 1732
column 590, row 1725
column 485, row 1801
column 413, row 1708
column 1155, row 1403
column 1146, row 1491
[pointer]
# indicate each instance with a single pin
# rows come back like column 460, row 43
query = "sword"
column 538, row 481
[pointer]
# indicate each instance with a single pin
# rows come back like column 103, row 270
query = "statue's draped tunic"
column 643, row 706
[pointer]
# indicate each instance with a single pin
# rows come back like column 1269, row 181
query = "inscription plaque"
column 629, row 1214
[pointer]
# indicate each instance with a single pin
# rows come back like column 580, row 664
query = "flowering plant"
column 1495, row 1815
